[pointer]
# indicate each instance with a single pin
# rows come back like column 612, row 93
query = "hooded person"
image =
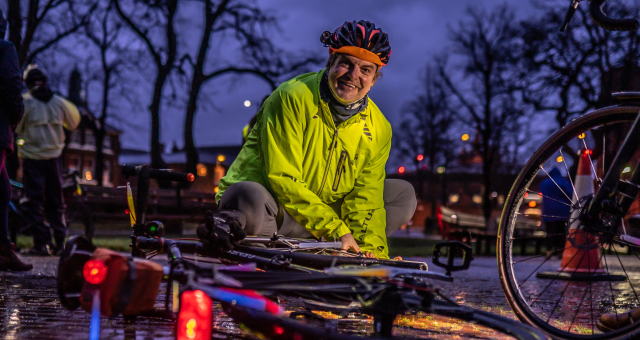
column 46, row 116
column 556, row 208
column 11, row 110
column 314, row 164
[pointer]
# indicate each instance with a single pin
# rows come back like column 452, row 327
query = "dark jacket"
column 11, row 106
column 557, row 188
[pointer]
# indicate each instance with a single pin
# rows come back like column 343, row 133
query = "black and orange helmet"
column 361, row 39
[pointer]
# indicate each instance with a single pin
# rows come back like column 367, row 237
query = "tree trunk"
column 101, row 129
column 14, row 17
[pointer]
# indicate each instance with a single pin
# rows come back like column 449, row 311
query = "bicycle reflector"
column 191, row 177
column 94, row 271
column 195, row 318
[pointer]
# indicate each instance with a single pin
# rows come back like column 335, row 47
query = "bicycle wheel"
column 569, row 303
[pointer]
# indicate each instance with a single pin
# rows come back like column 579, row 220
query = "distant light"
column 221, row 158
column 526, row 194
column 88, row 175
column 494, row 194
column 401, row 170
column 627, row 169
column 202, row 169
column 465, row 137
column 420, row 157
column 440, row 169
column 582, row 135
column 215, row 190
column 588, row 152
column 532, row 204
column 424, row 167
column 454, row 198
column 532, row 211
column 20, row 141
column 477, row 199
column 559, row 159
column 247, row 103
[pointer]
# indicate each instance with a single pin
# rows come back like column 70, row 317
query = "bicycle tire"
column 505, row 241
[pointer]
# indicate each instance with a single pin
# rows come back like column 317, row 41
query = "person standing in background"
column 556, row 209
column 11, row 110
column 46, row 115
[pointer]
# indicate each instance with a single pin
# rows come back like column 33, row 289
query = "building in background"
column 214, row 162
column 79, row 153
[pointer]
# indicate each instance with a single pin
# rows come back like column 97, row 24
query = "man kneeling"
column 314, row 164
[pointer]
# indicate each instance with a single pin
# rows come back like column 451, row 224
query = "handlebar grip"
column 601, row 19
column 131, row 170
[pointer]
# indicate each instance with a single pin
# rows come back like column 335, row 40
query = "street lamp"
column 420, row 158
column 247, row 103
column 401, row 170
column 465, row 137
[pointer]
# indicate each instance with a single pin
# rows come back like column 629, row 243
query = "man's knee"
column 400, row 193
column 243, row 195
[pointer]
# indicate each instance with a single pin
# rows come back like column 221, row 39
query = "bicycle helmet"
column 361, row 39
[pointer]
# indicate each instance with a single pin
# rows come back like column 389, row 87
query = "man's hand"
column 348, row 242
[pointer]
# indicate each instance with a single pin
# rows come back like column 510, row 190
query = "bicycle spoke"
column 625, row 273
column 553, row 199
column 535, row 270
column 613, row 301
column 534, row 257
column 595, row 174
column 569, row 175
column 554, row 182
column 546, row 236
column 536, row 215
column 580, row 304
column 553, row 280
column 566, row 287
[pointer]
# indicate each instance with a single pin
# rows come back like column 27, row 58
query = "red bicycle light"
column 195, row 319
column 126, row 211
column 401, row 170
column 191, row 177
column 94, row 271
column 278, row 330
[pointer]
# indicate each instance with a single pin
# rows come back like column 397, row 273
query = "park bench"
column 468, row 228
column 172, row 207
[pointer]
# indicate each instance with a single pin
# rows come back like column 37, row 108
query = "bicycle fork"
column 611, row 184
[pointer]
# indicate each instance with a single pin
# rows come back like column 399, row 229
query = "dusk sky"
column 417, row 30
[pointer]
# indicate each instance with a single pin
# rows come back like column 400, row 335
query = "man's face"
column 351, row 78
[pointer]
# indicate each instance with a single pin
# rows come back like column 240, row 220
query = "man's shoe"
column 39, row 251
column 10, row 261
column 610, row 322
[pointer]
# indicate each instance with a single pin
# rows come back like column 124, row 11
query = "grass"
column 405, row 247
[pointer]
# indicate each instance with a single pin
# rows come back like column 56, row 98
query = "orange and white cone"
column 580, row 260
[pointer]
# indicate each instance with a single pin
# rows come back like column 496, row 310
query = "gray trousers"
column 263, row 219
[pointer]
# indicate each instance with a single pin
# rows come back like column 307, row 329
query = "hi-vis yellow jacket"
column 307, row 163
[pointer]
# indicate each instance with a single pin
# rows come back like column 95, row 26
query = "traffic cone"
column 581, row 264
column 580, row 260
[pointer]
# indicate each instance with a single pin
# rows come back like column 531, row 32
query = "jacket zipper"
column 339, row 170
column 334, row 144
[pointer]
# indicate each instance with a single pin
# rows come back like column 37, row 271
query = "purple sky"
column 417, row 30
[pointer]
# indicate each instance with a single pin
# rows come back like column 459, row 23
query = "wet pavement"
column 30, row 308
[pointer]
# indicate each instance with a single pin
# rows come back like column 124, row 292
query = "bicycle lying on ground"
column 347, row 289
column 600, row 268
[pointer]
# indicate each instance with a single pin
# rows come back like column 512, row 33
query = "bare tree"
column 247, row 23
column 47, row 23
column 565, row 68
column 142, row 18
column 483, row 77
column 104, row 32
column 425, row 127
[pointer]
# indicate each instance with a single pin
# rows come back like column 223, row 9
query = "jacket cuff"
column 342, row 230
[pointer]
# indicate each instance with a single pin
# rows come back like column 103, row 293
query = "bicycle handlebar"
column 601, row 19
column 132, row 170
